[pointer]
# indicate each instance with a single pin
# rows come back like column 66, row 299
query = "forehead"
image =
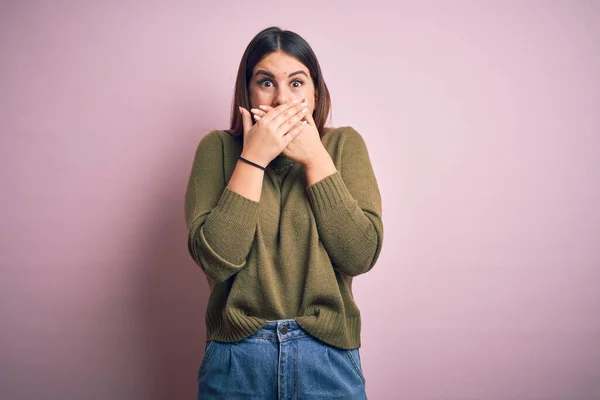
column 279, row 63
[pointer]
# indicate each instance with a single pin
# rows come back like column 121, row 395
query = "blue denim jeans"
column 281, row 361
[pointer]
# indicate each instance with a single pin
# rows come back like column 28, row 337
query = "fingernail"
column 256, row 117
column 294, row 101
column 240, row 108
column 262, row 107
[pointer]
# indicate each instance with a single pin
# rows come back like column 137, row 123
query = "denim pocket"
column 354, row 357
column 207, row 352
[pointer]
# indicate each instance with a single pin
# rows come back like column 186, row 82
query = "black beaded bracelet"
column 252, row 163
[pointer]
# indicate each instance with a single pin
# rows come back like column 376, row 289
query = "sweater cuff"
column 237, row 208
column 328, row 193
column 233, row 222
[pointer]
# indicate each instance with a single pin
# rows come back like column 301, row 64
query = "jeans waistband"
column 280, row 329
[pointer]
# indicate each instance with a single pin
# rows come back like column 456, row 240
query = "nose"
column 283, row 96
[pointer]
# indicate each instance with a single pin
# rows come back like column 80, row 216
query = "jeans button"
column 283, row 330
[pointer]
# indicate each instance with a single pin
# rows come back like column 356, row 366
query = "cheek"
column 258, row 97
column 309, row 94
column 312, row 102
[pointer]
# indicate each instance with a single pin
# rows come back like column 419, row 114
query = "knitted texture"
column 295, row 253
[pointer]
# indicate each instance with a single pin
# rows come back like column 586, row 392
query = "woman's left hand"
column 307, row 146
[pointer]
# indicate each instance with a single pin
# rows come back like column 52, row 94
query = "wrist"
column 320, row 160
column 319, row 168
column 252, row 163
column 253, row 160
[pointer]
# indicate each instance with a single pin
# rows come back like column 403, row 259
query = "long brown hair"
column 268, row 41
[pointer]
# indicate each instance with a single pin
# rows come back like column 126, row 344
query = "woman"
column 282, row 213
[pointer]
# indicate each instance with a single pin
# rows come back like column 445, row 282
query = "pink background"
column 483, row 124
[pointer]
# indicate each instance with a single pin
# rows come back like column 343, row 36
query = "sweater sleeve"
column 347, row 209
column 221, row 223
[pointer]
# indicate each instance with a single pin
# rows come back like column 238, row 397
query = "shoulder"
column 215, row 140
column 344, row 136
column 216, row 136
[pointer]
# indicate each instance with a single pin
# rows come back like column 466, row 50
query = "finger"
column 292, row 121
column 289, row 113
column 265, row 108
column 274, row 113
column 256, row 111
column 246, row 120
column 294, row 132
column 256, row 117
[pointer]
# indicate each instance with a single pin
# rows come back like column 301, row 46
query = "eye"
column 265, row 83
column 297, row 83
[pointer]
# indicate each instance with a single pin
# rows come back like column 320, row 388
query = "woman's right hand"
column 266, row 139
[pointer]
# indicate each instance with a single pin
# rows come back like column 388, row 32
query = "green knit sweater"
column 294, row 253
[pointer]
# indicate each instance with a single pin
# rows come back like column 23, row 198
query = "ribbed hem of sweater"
column 328, row 193
column 332, row 328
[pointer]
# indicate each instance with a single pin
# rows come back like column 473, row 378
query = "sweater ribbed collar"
column 281, row 164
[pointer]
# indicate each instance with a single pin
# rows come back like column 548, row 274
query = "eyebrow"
column 270, row 75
